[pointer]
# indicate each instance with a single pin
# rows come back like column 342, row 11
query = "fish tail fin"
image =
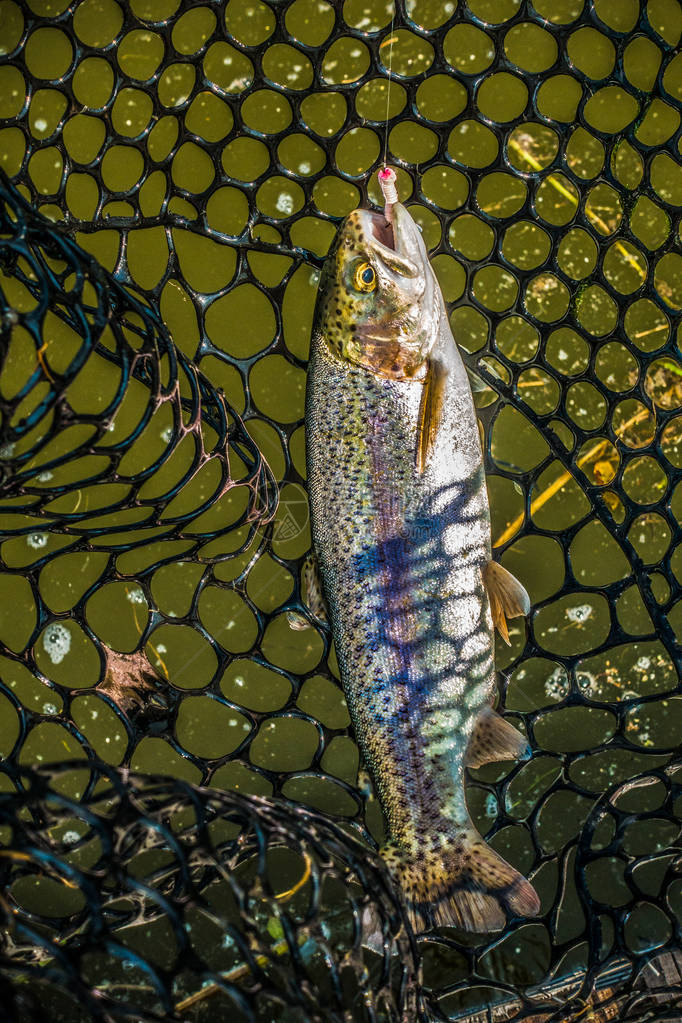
column 459, row 882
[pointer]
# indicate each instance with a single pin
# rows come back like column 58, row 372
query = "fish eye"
column 365, row 278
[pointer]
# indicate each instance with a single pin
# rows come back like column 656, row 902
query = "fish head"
column 379, row 304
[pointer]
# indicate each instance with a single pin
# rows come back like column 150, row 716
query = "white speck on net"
column 57, row 642
column 161, row 648
column 44, row 477
column 49, row 708
column 37, row 540
column 69, row 837
column 167, row 434
column 285, row 203
column 137, row 596
column 304, row 167
column 643, row 663
column 40, row 124
column 7, row 450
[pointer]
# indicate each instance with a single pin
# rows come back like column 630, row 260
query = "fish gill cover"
column 177, row 172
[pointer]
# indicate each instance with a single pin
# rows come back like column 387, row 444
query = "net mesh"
column 176, row 172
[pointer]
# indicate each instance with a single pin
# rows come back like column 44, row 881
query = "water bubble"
column 56, row 642
column 136, row 596
column 580, row 613
column 587, row 683
column 37, row 540
column 556, row 685
column 49, row 708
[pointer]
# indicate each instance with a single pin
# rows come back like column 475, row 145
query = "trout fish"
column 401, row 532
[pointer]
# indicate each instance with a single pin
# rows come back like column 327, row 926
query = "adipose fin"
column 494, row 739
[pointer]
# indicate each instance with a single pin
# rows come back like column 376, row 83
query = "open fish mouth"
column 382, row 230
column 392, row 241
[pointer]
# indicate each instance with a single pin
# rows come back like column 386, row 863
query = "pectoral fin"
column 508, row 598
column 312, row 597
column 494, row 739
column 430, row 411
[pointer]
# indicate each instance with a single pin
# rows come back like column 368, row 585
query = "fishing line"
column 388, row 90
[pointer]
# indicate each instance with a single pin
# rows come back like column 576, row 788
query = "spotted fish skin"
column 402, row 547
